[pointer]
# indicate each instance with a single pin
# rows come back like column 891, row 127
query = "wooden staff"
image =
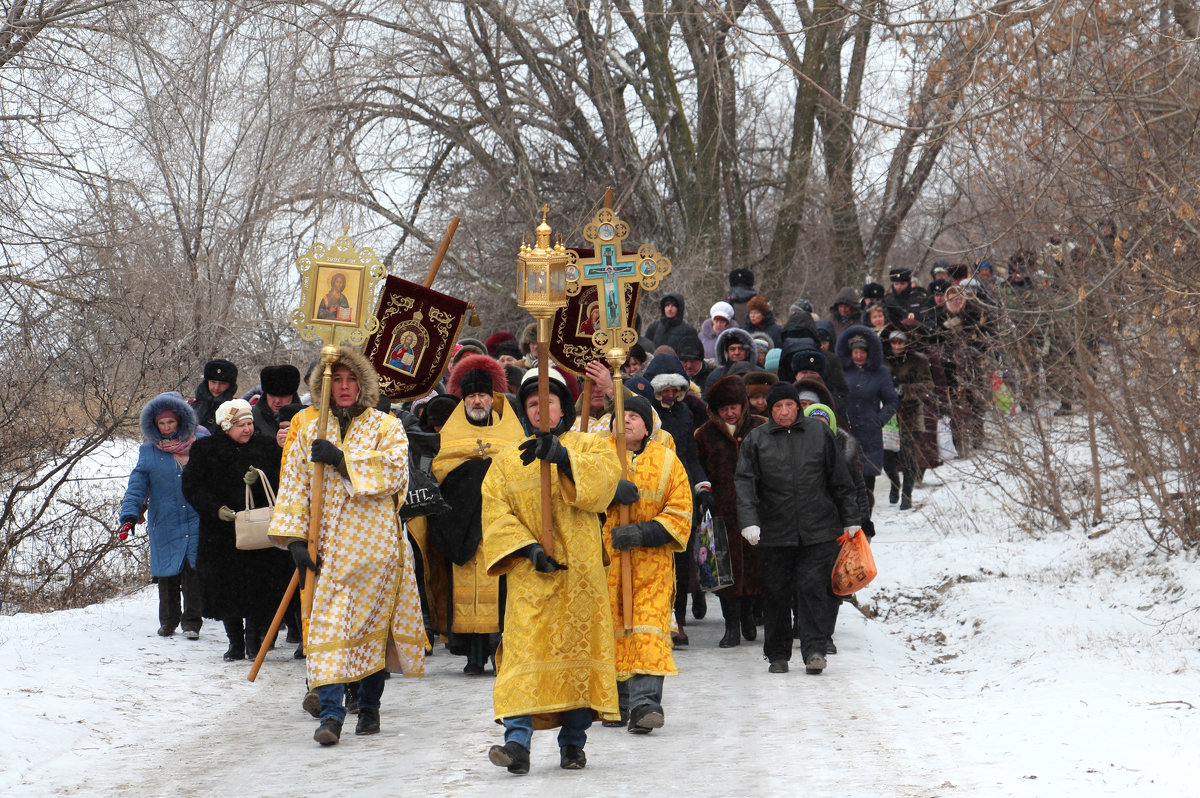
column 441, row 253
column 587, row 404
column 544, row 426
column 623, row 509
column 328, row 355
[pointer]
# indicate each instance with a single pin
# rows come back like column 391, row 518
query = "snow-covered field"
column 996, row 664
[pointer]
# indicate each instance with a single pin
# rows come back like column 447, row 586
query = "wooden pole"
column 276, row 622
column 441, row 253
column 586, row 416
column 544, row 426
column 623, row 509
column 317, row 501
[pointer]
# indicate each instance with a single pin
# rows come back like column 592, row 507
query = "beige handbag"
column 251, row 524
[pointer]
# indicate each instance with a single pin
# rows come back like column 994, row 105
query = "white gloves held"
column 752, row 534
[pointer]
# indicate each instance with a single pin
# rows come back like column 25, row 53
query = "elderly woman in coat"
column 168, row 431
column 241, row 588
column 872, row 399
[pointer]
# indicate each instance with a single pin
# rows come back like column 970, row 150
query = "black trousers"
column 801, row 572
column 170, row 613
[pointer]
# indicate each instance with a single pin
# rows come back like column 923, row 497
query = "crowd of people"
column 774, row 428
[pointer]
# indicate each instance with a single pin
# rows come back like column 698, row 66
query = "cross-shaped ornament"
column 481, row 448
column 610, row 272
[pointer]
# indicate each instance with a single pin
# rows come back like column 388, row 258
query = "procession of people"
column 775, row 430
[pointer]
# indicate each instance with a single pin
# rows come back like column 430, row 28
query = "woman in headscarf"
column 241, row 588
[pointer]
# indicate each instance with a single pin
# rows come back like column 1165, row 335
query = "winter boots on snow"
column 511, row 755
column 329, row 732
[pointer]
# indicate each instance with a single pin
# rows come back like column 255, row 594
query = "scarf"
column 178, row 447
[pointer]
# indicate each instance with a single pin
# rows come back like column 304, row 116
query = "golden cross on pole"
column 610, row 271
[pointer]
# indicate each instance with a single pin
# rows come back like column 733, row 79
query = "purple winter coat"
column 872, row 399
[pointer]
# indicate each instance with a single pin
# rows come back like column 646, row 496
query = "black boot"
column 329, row 732
column 733, row 634
column 368, row 721
column 749, row 628
column 237, row 639
column 699, row 605
column 894, row 493
column 511, row 755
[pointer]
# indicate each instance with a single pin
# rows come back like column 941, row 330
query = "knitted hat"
column 640, row 405
column 823, row 412
column 233, row 411
column 808, row 396
column 280, row 380
column 858, row 342
column 558, row 387
column 223, row 370
column 760, row 304
column 780, row 391
column 640, row 386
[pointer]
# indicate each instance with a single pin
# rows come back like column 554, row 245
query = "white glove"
column 752, row 534
column 851, row 531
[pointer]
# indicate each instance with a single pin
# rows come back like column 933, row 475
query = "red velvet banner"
column 417, row 330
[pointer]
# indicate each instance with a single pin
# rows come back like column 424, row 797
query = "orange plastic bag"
column 855, row 565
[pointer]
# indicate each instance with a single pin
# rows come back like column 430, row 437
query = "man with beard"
column 480, row 426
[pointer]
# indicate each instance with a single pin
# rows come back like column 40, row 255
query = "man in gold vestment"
column 366, row 612
column 480, row 426
column 556, row 658
column 659, row 526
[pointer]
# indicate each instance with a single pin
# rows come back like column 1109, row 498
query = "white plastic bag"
column 945, row 438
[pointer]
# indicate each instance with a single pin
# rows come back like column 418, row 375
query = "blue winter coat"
column 872, row 398
column 172, row 524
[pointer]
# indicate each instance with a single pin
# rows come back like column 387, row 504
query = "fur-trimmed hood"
column 356, row 361
column 167, row 401
column 477, row 363
column 874, row 347
column 666, row 371
column 726, row 337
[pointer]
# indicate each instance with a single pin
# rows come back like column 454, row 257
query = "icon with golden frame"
column 337, row 289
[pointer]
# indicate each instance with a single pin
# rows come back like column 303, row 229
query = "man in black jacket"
column 795, row 497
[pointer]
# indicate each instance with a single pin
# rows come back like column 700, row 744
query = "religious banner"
column 415, row 339
column 571, row 339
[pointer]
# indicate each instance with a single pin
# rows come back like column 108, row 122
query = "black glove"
column 627, row 493
column 304, row 563
column 251, row 476
column 626, row 537
column 868, row 528
column 704, row 501
column 324, row 451
column 543, row 446
column 541, row 561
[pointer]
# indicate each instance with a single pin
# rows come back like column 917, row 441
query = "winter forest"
column 162, row 165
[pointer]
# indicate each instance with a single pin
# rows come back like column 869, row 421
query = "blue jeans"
column 369, row 692
column 639, row 689
column 575, row 723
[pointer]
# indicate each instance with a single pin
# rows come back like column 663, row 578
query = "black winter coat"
column 205, row 405
column 236, row 584
column 671, row 332
column 794, row 484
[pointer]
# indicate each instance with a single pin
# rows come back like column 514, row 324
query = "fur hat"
column 436, row 411
column 742, row 277
column 823, row 412
column 809, row 360
column 758, row 383
column 223, row 370
column 558, row 387
column 288, row 412
column 722, row 309
column 510, row 348
column 493, row 341
column 727, row 391
column 640, row 405
column 513, row 375
column 281, row 380
column 233, row 411
column 872, row 291
column 477, row 374
column 780, row 391
column 356, row 361
column 758, row 303
column 528, row 336
column 900, row 274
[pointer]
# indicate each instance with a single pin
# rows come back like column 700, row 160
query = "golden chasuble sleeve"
column 595, row 471
column 289, row 521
